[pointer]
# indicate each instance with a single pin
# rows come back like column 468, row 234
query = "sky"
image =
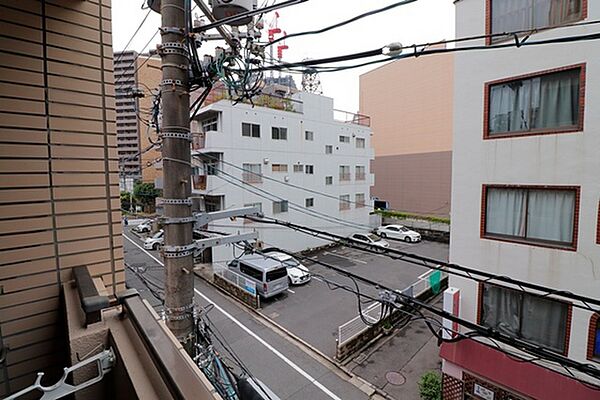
column 418, row 22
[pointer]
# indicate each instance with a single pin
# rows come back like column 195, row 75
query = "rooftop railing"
column 352, row 118
column 263, row 100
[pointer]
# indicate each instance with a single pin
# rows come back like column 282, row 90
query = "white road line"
column 291, row 291
column 243, row 327
column 347, row 258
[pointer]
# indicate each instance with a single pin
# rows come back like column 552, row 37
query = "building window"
column 278, row 133
column 525, row 15
column 328, row 149
column 344, row 139
column 360, row 171
column 310, row 169
column 298, row 168
column 279, row 167
column 344, row 202
column 252, row 173
column 280, row 207
column 359, row 199
column 250, row 130
column 344, row 172
column 329, row 180
column 309, row 135
column 594, row 338
column 539, row 320
column 360, row 143
column 550, row 102
column 309, row 202
column 534, row 215
column 210, row 124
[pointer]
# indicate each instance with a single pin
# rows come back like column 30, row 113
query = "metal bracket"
column 177, row 135
column 222, row 240
column 177, row 202
column 104, row 363
column 172, row 221
column 178, row 255
column 205, row 218
column 170, row 82
column 170, row 310
column 170, row 29
column 179, row 249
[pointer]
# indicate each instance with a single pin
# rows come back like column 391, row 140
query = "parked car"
column 370, row 239
column 144, row 226
column 398, row 232
column 156, row 241
column 296, row 272
column 269, row 275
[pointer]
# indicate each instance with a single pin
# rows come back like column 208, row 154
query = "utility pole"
column 177, row 220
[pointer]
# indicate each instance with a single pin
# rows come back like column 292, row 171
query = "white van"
column 269, row 275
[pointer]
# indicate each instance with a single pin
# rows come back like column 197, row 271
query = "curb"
column 360, row 383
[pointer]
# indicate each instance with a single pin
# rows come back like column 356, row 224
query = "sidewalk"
column 396, row 364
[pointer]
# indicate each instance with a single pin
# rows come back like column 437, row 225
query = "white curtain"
column 505, row 213
column 544, row 322
column 511, row 15
column 510, row 107
column 517, row 15
column 557, row 104
column 501, row 309
column 550, row 215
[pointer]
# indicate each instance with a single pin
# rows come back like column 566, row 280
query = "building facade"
column 525, row 198
column 59, row 187
column 251, row 156
column 410, row 104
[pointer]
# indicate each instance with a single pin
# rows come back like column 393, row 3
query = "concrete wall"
column 553, row 159
column 59, row 193
column 149, row 75
column 410, row 104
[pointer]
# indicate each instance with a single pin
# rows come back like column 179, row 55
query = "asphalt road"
column 285, row 368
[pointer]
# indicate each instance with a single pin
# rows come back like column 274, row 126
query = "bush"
column 430, row 386
column 404, row 215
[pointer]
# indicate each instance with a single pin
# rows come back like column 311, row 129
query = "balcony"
column 352, row 118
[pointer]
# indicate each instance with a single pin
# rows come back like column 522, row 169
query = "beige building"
column 59, row 192
column 411, row 108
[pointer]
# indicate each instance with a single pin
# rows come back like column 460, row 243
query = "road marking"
column 347, row 258
column 243, row 327
column 291, row 291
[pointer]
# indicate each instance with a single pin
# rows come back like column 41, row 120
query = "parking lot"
column 314, row 312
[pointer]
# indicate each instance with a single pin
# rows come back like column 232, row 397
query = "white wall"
column 561, row 159
column 317, row 117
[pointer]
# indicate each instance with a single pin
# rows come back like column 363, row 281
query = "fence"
column 356, row 326
column 238, row 280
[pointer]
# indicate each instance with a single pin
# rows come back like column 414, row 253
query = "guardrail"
column 236, row 284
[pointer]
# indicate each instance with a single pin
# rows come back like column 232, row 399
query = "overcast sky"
column 422, row 21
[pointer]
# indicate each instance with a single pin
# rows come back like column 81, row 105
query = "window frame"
column 488, row 22
column 279, row 168
column 535, row 132
column 568, row 321
column 279, row 130
column 328, row 149
column 252, row 125
column 309, row 167
column 312, row 136
column 363, row 141
column 281, row 203
column 342, row 139
column 531, row 242
column 358, row 203
column 309, row 202
column 329, row 184
column 344, row 205
column 594, row 330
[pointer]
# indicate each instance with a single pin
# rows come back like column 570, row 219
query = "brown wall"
column 411, row 108
column 59, row 194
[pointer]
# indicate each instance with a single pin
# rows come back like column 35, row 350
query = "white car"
column 144, row 226
column 398, row 232
column 156, row 241
column 297, row 273
column 370, row 239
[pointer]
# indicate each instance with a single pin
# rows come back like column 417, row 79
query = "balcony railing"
column 249, row 177
column 199, row 182
column 263, row 100
column 351, row 118
column 345, row 177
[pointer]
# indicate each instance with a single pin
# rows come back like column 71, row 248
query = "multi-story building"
column 251, row 156
column 525, row 198
column 59, row 188
column 410, row 105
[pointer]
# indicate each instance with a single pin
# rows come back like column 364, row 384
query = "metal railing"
column 262, row 100
column 356, row 326
column 351, row 118
column 237, row 279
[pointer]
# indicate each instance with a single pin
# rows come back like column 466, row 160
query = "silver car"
column 370, row 239
column 270, row 275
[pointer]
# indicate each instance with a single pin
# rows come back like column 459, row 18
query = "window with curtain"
column 252, row 173
column 543, row 103
column 250, row 130
column 522, row 15
column 280, row 207
column 532, row 215
column 344, row 202
column 538, row 320
column 278, row 133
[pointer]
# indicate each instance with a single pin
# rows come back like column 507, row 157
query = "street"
column 285, row 368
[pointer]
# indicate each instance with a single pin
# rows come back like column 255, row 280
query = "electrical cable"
column 133, row 36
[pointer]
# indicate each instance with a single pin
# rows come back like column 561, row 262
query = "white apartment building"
column 252, row 155
column 525, row 197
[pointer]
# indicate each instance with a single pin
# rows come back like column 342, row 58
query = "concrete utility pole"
column 178, row 222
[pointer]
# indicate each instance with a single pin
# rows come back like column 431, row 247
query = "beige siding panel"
column 77, row 166
column 16, row 326
column 20, row 166
column 28, row 282
column 23, row 150
column 63, row 82
column 73, row 57
column 22, row 121
column 119, row 277
column 65, row 221
column 69, row 110
column 117, row 227
column 118, row 241
column 25, row 239
column 20, row 32
column 78, row 179
column 74, row 17
column 25, row 210
column 21, row 47
column 82, row 233
column 73, row 43
column 31, row 6
column 21, row 62
column 71, row 207
column 30, row 352
column 106, row 26
column 84, row 259
column 91, row 139
column 100, row 269
column 83, row 245
column 70, row 97
column 30, row 368
column 25, row 225
column 29, row 253
column 75, row 125
column 77, row 152
column 21, row 135
column 20, row 17
column 33, row 336
column 23, row 195
column 23, row 180
column 27, row 296
column 87, row 7
column 71, row 193
column 26, row 310
column 21, row 91
column 27, row 268
column 75, row 71
column 73, row 30
column 22, row 77
column 22, row 106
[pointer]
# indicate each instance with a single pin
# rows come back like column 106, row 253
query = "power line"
column 346, row 22
column 133, row 36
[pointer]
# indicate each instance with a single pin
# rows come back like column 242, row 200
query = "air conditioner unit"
column 228, row 8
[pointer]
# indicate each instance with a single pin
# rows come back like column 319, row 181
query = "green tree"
column 125, row 201
column 430, row 386
column 145, row 194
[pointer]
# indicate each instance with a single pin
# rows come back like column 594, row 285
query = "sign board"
column 483, row 392
column 250, row 287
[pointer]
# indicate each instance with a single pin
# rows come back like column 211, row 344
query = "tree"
column 430, row 386
column 125, row 201
column 145, row 195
